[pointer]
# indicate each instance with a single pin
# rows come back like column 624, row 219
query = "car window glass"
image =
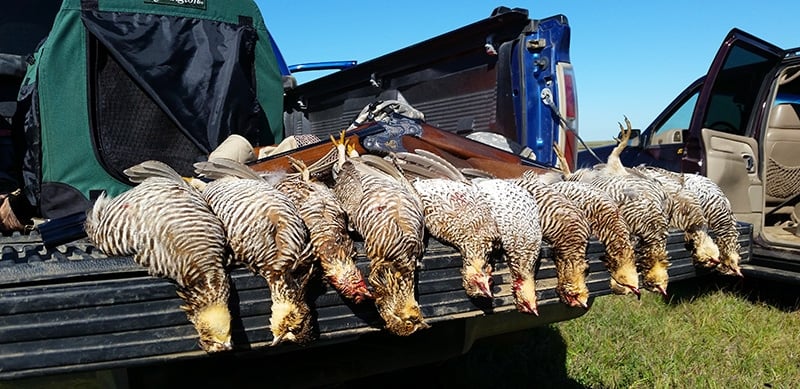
column 734, row 92
column 670, row 130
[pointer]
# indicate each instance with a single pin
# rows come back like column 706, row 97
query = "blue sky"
column 631, row 57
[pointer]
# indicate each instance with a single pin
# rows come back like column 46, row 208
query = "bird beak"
column 484, row 284
column 533, row 309
column 662, row 291
column 277, row 340
column 583, row 305
column 635, row 291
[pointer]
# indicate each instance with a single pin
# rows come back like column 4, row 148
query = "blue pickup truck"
column 65, row 307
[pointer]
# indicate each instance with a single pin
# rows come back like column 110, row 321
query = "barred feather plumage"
column 326, row 221
column 645, row 207
column 390, row 219
column 266, row 234
column 686, row 214
column 608, row 225
column 517, row 217
column 716, row 210
column 566, row 228
column 168, row 228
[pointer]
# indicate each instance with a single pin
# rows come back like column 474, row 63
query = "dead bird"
column 167, row 226
column 457, row 214
column 387, row 213
column 322, row 215
column 267, row 235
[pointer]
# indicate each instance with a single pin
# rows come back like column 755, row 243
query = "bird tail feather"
column 151, row 168
column 425, row 164
column 220, row 167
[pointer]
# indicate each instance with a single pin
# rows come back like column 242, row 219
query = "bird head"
column 625, row 278
column 477, row 254
column 206, row 306
column 290, row 321
column 337, row 258
column 213, row 324
column 574, row 296
column 394, row 298
column 571, row 287
column 656, row 278
column 350, row 283
column 623, row 288
column 525, row 296
column 706, row 252
column 729, row 265
column 406, row 321
column 478, row 282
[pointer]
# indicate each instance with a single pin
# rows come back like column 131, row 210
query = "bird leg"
column 613, row 164
column 562, row 160
column 341, row 149
column 301, row 167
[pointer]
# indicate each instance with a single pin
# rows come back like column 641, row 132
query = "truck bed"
column 71, row 309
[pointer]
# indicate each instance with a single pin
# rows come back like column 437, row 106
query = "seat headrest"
column 785, row 116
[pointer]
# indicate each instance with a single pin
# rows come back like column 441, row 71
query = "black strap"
column 89, row 5
column 245, row 20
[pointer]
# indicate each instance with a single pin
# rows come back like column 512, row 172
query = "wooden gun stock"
column 463, row 147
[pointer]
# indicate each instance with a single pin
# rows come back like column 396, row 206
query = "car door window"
column 670, row 131
column 735, row 89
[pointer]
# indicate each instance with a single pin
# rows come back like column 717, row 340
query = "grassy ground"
column 711, row 334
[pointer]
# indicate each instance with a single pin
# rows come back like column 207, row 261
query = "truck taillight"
column 568, row 108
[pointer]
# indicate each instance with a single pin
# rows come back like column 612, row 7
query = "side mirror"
column 634, row 140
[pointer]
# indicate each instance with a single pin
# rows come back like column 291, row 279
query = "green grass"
column 718, row 336
column 711, row 334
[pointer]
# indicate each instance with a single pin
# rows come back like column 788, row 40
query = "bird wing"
column 443, row 162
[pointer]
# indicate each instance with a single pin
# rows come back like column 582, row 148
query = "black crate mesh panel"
column 130, row 128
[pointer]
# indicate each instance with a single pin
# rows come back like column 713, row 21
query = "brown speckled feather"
column 645, row 207
column 608, row 225
column 716, row 211
column 326, row 221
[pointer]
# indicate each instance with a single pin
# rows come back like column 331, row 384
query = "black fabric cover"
column 208, row 88
column 128, row 127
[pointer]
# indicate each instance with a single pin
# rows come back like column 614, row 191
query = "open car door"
column 721, row 142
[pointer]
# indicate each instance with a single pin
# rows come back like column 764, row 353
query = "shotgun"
column 403, row 134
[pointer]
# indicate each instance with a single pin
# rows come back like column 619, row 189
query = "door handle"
column 749, row 163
